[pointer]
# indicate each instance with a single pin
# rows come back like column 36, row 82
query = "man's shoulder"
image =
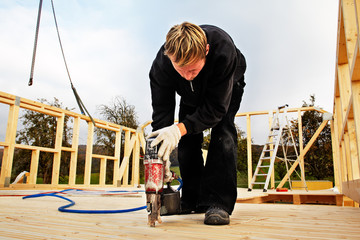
column 212, row 29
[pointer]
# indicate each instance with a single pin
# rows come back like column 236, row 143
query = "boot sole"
column 216, row 219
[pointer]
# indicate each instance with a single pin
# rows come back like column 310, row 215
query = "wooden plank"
column 244, row 114
column 142, row 141
column 271, row 147
column 344, row 165
column 341, row 41
column 102, row 177
column 116, row 177
column 350, row 27
column 127, row 152
column 43, row 149
column 135, row 176
column 74, row 154
column 34, row 166
column 32, row 219
column 335, row 146
column 355, row 65
column 67, row 149
column 301, row 145
column 103, row 156
column 354, row 156
column 249, row 151
column 344, row 88
column 306, row 149
column 89, row 152
column 57, row 154
column 356, row 115
column 352, row 189
column 296, row 199
column 129, row 144
column 348, row 161
column 10, row 139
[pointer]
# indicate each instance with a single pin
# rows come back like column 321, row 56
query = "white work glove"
column 170, row 137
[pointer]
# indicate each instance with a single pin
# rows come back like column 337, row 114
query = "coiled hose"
column 72, row 203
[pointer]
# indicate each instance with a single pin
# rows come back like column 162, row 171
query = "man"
column 203, row 66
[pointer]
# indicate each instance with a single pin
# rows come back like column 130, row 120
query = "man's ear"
column 207, row 48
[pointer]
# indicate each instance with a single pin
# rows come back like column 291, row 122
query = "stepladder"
column 279, row 146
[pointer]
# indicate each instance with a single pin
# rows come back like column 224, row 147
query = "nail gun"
column 159, row 200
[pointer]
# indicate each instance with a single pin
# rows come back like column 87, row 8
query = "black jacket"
column 211, row 90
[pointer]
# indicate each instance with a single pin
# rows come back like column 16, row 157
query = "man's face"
column 189, row 72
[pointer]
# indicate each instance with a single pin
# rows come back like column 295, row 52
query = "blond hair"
column 186, row 43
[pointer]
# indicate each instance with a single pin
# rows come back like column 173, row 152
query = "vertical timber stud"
column 249, row 153
column 301, row 146
column 271, row 147
column 136, row 158
column 125, row 160
column 356, row 83
column 353, row 149
column 349, row 17
column 10, row 140
column 336, row 152
column 34, row 166
column 356, row 107
column 89, row 151
column 58, row 145
column 74, row 152
column 116, row 179
column 102, row 176
column 128, row 146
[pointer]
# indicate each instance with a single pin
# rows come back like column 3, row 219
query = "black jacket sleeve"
column 162, row 94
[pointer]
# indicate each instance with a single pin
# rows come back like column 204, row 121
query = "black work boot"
column 216, row 216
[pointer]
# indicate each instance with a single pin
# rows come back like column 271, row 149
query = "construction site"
column 115, row 207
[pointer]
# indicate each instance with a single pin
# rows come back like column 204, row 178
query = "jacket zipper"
column 192, row 88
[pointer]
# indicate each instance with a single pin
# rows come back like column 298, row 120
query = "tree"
column 318, row 160
column 241, row 151
column 119, row 112
column 40, row 130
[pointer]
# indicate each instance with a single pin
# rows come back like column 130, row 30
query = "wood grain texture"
column 38, row 218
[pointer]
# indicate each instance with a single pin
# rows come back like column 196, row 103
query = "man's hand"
column 170, row 137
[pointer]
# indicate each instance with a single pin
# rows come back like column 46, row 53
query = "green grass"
column 94, row 179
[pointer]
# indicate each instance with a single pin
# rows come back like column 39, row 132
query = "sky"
column 289, row 46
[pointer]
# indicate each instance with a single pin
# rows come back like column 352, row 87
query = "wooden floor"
column 39, row 218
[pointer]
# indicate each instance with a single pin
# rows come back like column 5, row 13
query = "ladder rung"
column 270, row 143
column 258, row 183
column 269, row 150
column 266, row 166
column 261, row 174
column 265, row 158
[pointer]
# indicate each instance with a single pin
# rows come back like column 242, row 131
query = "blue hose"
column 181, row 184
column 72, row 203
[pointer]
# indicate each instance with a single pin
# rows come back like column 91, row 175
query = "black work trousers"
column 214, row 184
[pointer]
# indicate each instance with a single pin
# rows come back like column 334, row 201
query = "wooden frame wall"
column 346, row 124
column 134, row 138
column 134, row 141
column 302, row 150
